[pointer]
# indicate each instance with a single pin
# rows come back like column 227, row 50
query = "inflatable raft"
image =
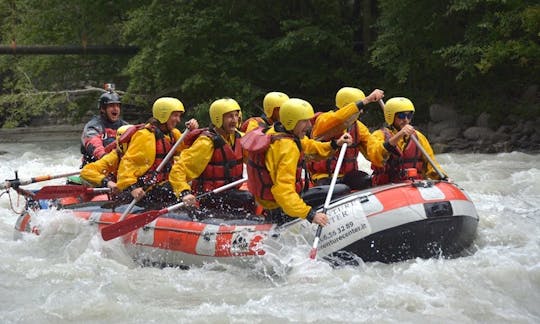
column 389, row 223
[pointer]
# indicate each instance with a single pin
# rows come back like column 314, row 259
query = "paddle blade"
column 130, row 224
column 54, row 192
column 313, row 253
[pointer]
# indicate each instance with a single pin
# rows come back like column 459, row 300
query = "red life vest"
column 262, row 121
column 163, row 147
column 259, row 180
column 350, row 162
column 394, row 168
column 226, row 164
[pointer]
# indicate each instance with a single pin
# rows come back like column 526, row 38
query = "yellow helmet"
column 119, row 132
column 273, row 100
column 347, row 95
column 220, row 107
column 395, row 105
column 294, row 110
column 164, row 107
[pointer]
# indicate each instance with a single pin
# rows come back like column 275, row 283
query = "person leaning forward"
column 102, row 173
column 274, row 174
column 214, row 158
column 137, row 171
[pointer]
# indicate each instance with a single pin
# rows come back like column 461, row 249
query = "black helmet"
column 108, row 98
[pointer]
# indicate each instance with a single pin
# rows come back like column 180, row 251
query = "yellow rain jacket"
column 140, row 156
column 378, row 155
column 97, row 171
column 281, row 162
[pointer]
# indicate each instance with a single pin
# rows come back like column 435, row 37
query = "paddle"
column 426, row 155
column 158, row 169
column 17, row 182
column 53, row 192
column 313, row 253
column 125, row 226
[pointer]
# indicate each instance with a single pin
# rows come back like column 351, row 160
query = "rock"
column 437, row 128
column 477, row 133
column 439, row 112
column 483, row 120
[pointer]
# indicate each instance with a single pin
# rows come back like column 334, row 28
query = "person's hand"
column 112, row 185
column 320, row 219
column 192, row 124
column 345, row 138
column 137, row 193
column 407, row 130
column 189, row 200
column 375, row 95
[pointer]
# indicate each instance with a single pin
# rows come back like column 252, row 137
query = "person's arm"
column 376, row 150
column 363, row 135
column 98, row 173
column 92, row 138
column 281, row 160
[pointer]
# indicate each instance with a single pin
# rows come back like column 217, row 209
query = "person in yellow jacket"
column 148, row 147
column 350, row 103
column 394, row 156
column 271, row 104
column 274, row 174
column 102, row 173
column 213, row 159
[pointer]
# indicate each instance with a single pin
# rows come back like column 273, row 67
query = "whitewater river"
column 70, row 275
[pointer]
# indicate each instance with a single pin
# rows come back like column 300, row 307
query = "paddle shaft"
column 17, row 182
column 313, row 253
column 421, row 148
column 158, row 169
column 130, row 224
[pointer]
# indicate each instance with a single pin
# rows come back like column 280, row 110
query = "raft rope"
column 11, row 205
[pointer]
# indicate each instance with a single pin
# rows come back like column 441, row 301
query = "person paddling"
column 350, row 103
column 394, row 156
column 102, row 173
column 213, row 159
column 274, row 171
column 137, row 171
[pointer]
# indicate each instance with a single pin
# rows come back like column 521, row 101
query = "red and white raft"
column 387, row 224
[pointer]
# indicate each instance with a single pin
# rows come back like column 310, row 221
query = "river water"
column 70, row 275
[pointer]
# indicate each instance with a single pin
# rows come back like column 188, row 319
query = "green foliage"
column 474, row 53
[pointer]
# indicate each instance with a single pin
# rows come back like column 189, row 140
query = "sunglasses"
column 403, row 115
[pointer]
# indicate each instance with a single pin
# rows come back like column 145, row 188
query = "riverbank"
column 42, row 134
column 447, row 131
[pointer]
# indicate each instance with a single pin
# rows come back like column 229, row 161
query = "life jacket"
column 262, row 121
column 394, row 169
column 256, row 143
column 163, row 147
column 226, row 164
column 106, row 139
column 350, row 162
